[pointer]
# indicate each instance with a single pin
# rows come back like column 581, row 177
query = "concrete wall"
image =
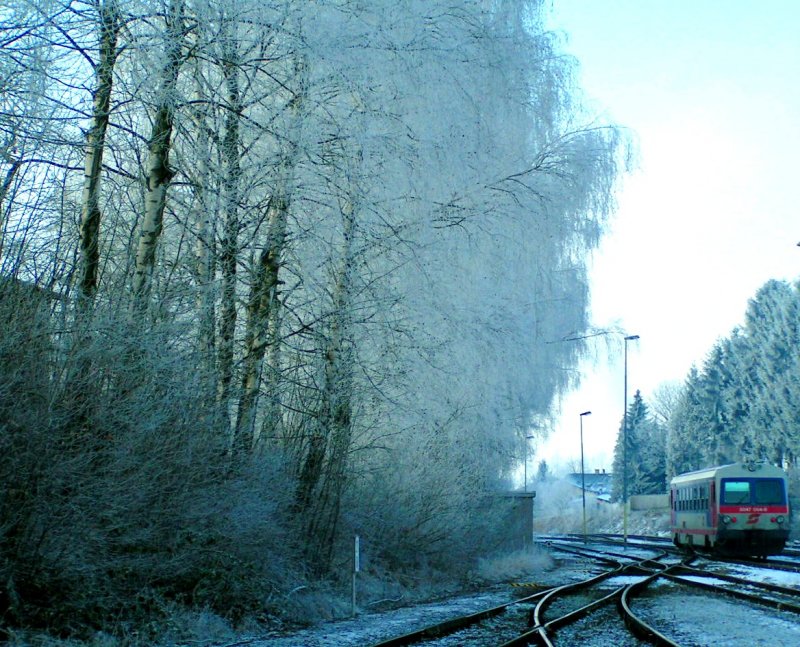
column 649, row 502
column 520, row 520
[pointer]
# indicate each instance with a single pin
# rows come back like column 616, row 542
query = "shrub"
column 118, row 497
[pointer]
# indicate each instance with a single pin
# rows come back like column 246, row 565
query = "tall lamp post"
column 583, row 477
column 625, row 447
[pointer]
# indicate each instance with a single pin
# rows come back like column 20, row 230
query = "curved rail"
column 452, row 625
column 650, row 568
column 738, row 593
column 540, row 633
column 638, row 626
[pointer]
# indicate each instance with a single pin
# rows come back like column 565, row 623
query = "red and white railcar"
column 738, row 509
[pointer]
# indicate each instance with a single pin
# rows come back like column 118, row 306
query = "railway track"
column 634, row 593
column 789, row 561
column 523, row 620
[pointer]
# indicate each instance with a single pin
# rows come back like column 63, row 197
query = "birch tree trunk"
column 95, row 143
column 158, row 172
column 229, row 251
column 263, row 305
column 272, row 426
column 204, row 250
column 79, row 394
column 333, row 431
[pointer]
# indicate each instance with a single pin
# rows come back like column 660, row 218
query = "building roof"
column 598, row 483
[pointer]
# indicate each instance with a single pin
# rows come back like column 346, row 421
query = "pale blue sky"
column 711, row 90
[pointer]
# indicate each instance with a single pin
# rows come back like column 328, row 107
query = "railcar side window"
column 768, row 491
column 734, row 492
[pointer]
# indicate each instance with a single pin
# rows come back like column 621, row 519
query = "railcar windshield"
column 768, row 491
column 752, row 491
column 734, row 492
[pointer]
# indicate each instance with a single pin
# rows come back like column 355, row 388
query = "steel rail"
column 540, row 631
column 635, row 624
column 733, row 579
column 452, row 625
column 609, row 557
column 741, row 595
column 774, row 564
column 449, row 626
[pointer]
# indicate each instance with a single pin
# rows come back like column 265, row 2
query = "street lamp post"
column 625, row 446
column 583, row 477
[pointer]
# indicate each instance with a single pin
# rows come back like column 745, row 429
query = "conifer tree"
column 645, row 455
column 740, row 405
column 683, row 453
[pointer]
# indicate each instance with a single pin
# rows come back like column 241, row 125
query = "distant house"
column 597, row 484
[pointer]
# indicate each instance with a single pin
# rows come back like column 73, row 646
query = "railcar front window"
column 734, row 492
column 768, row 492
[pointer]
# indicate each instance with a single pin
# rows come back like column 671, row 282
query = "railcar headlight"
column 780, row 518
column 726, row 519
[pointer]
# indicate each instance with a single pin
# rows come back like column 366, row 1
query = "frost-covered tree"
column 720, row 426
column 684, row 438
column 645, row 453
column 770, row 338
column 326, row 246
column 664, row 400
column 738, row 407
column 480, row 295
column 543, row 471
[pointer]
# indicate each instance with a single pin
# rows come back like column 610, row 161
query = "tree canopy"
column 739, row 405
column 295, row 265
column 639, row 454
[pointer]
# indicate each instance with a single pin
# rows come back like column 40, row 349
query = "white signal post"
column 356, row 569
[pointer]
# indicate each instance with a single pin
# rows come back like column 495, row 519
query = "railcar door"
column 713, row 510
column 672, row 507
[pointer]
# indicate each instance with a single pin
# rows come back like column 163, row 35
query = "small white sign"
column 357, row 560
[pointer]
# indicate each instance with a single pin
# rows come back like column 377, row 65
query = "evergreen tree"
column 645, row 457
column 717, row 432
column 683, row 453
column 741, row 404
column 770, row 354
column 654, row 458
column 543, row 472
column 703, row 428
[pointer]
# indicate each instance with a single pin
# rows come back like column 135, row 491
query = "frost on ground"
column 697, row 620
column 771, row 576
column 368, row 628
column 690, row 618
column 603, row 628
column 530, row 568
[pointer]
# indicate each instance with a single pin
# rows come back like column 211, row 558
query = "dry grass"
column 513, row 566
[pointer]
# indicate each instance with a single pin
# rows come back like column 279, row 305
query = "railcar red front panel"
column 752, row 496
